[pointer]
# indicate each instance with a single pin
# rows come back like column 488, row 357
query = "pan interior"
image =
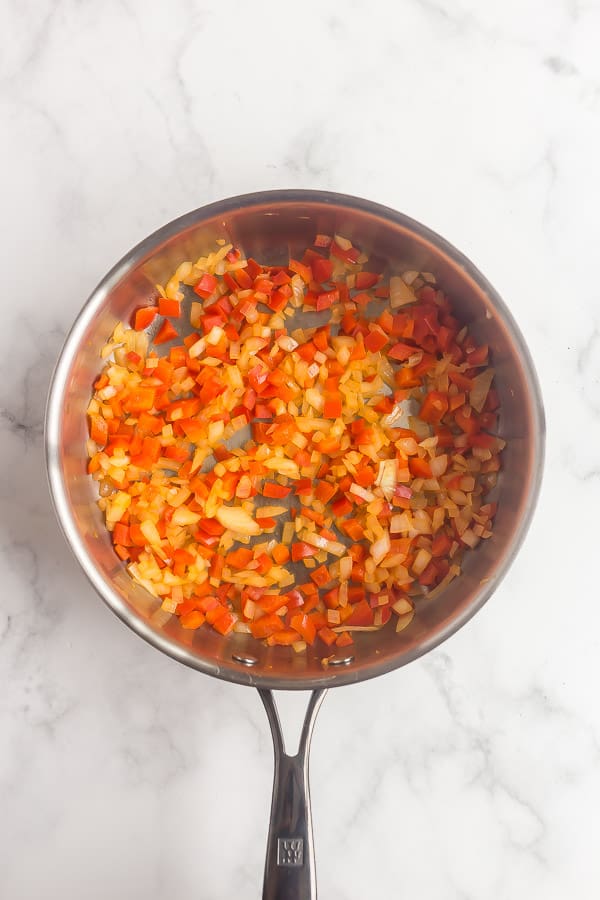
column 272, row 227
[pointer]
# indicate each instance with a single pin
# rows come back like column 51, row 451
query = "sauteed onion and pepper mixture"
column 295, row 483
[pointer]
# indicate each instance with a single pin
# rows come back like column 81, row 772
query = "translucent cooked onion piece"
column 237, row 520
column 400, row 292
column 404, row 620
column 386, row 477
column 481, row 388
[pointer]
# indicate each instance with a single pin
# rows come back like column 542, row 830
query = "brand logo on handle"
column 290, row 851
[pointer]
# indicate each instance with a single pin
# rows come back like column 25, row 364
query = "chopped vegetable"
column 344, row 507
column 144, row 317
column 236, row 519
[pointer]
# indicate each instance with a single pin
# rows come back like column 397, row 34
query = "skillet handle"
column 290, row 862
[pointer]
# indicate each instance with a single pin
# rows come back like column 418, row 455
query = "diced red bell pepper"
column 406, row 378
column 168, row 307
column 304, row 626
column 462, row 382
column 274, row 490
column 303, row 486
column 320, row 576
column 375, row 340
column 224, row 622
column 270, row 603
column 139, row 399
column 324, row 491
column 344, row 639
column 401, row 351
column 280, row 276
column 341, row 507
column 331, row 598
column 123, row 553
column 366, row 280
column 486, row 441
column 121, row 535
column 178, row 454
column 277, row 301
column 165, row 333
column 441, row 544
column 362, row 614
column 300, row 269
column 253, row 268
column 306, row 351
column 478, row 355
column 419, row 467
column 348, row 256
column 434, row 407
column 239, row 558
column 144, row 317
column 466, row 421
column 300, row 550
column 332, row 407
column 326, row 299
column 315, row 517
column 283, row 638
column 321, row 338
column 206, row 286
column 98, row 430
column 329, row 446
column 321, row 269
column 327, row 635
column 192, row 620
column 281, row 554
column 266, row 626
column 353, row 529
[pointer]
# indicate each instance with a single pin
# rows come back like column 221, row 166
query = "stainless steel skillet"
column 271, row 226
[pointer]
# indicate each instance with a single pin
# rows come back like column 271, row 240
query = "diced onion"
column 386, row 477
column 150, row 532
column 404, row 620
column 343, row 242
column 438, row 465
column 346, row 564
column 287, row 343
column 402, row 606
column 380, row 548
column 197, row 348
column 481, row 388
column 316, row 540
column 236, row 519
column 450, row 576
column 271, row 512
column 361, row 492
column 185, row 516
column 400, row 292
column 421, row 561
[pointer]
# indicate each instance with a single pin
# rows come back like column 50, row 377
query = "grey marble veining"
column 473, row 773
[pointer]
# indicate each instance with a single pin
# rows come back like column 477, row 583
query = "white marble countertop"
column 472, row 773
